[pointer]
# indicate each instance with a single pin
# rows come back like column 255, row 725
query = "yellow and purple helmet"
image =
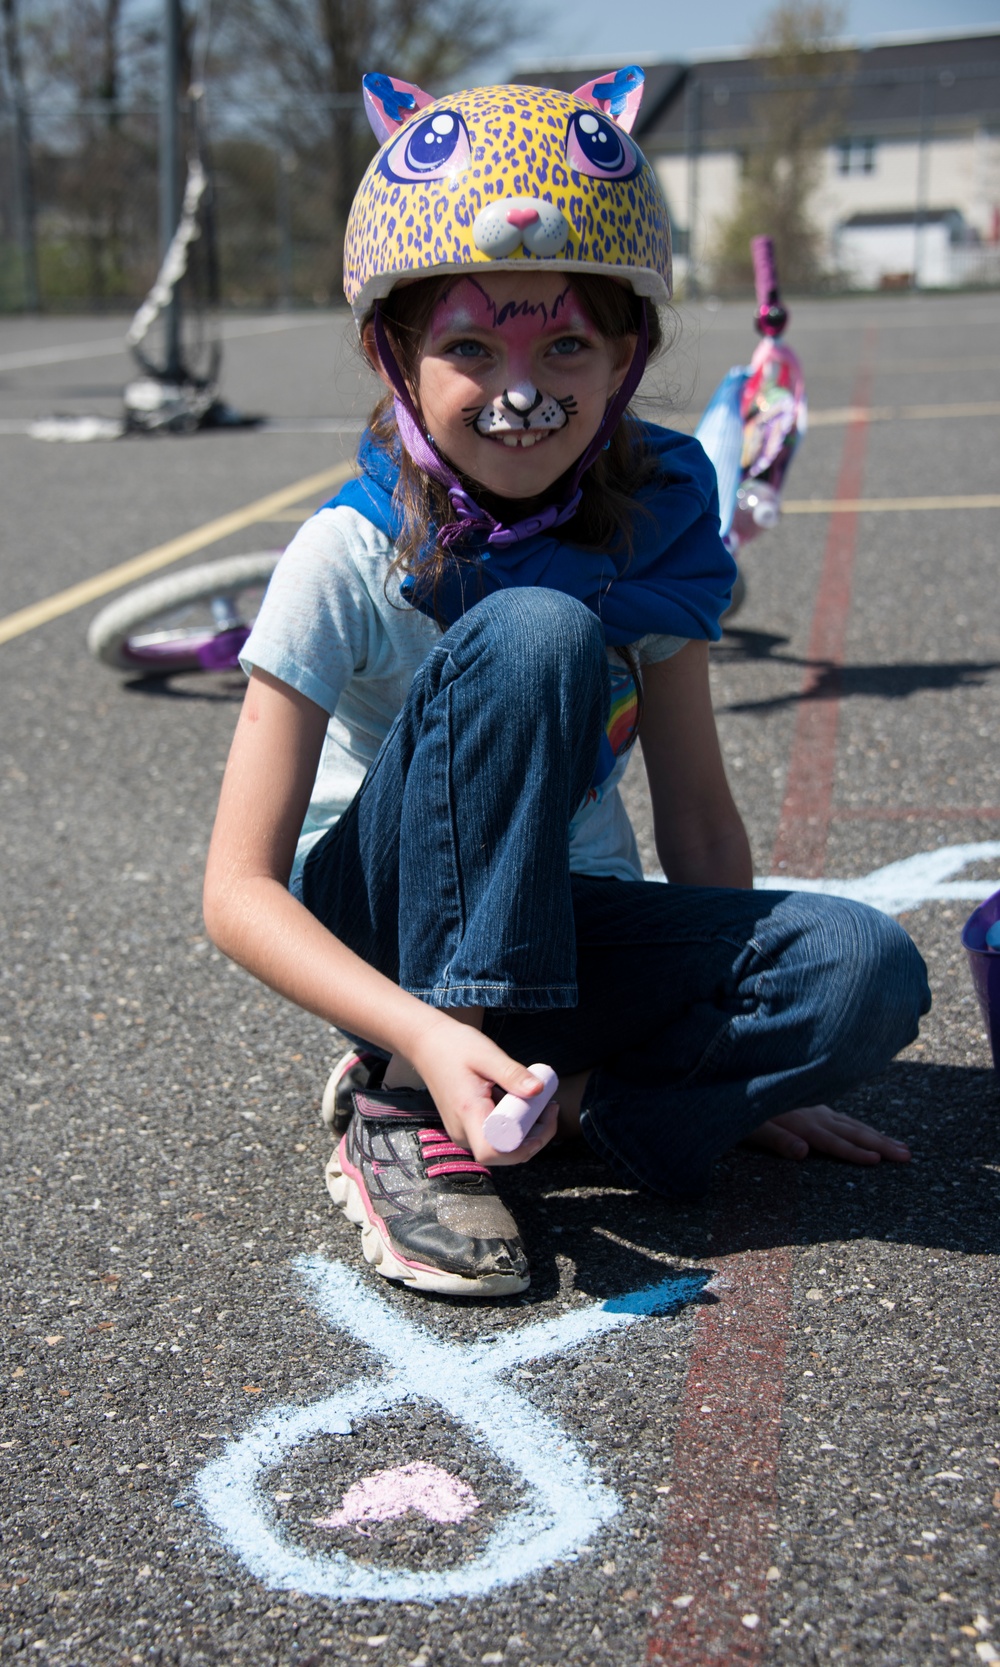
column 506, row 177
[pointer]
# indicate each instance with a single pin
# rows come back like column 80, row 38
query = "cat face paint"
column 514, row 379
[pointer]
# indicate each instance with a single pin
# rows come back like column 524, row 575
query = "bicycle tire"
column 143, row 632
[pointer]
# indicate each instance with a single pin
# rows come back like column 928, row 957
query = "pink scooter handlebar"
column 771, row 317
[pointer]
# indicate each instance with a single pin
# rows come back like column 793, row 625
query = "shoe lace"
column 443, row 1157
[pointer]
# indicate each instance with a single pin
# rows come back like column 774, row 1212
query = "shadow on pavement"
column 195, row 685
column 831, row 682
column 947, row 1198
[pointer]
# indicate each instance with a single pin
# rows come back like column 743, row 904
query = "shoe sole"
column 381, row 1255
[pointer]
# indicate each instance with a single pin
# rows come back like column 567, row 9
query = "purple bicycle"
column 197, row 620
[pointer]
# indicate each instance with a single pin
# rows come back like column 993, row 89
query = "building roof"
column 902, row 217
column 892, row 90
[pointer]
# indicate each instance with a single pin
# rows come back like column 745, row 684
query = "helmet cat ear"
column 617, row 95
column 389, row 103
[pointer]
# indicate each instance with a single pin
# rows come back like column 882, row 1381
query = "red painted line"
column 720, row 1522
column 804, row 823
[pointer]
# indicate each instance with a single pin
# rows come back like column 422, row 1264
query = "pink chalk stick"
column 512, row 1117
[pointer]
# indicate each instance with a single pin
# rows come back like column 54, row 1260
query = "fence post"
column 692, row 141
column 170, row 200
column 285, row 169
column 24, row 191
column 923, row 168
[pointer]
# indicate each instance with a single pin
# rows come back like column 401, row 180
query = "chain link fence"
column 79, row 218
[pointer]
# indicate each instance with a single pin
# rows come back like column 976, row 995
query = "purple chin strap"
column 470, row 516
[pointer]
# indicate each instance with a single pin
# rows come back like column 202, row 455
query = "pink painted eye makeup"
column 468, row 307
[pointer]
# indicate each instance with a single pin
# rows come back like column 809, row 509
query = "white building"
column 910, row 184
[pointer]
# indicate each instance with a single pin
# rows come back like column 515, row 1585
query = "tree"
column 80, row 68
column 305, row 59
column 23, row 174
column 794, row 119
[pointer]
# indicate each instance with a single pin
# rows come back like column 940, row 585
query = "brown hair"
column 607, row 506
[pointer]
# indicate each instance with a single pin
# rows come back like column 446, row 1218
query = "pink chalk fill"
column 408, row 1487
column 512, row 1117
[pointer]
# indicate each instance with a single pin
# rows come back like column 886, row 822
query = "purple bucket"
column 984, row 963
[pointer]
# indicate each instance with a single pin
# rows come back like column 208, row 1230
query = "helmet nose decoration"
column 501, row 227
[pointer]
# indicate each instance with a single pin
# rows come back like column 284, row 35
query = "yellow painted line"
column 878, row 506
column 835, row 415
column 986, row 408
column 127, row 572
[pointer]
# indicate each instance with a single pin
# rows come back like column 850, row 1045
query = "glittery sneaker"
column 353, row 1070
column 429, row 1213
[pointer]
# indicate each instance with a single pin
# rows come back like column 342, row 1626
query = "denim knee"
column 531, row 634
column 878, row 990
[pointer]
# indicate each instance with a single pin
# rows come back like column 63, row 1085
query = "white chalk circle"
column 566, row 1502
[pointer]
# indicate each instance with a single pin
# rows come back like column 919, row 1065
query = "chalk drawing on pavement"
column 566, row 1501
column 424, row 1488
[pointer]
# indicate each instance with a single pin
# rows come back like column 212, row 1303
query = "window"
column 856, row 156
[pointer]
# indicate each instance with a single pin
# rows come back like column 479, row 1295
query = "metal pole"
column 286, row 165
column 170, row 196
column 24, row 193
column 923, row 164
column 692, row 141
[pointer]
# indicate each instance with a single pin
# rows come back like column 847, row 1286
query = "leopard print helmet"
column 506, row 177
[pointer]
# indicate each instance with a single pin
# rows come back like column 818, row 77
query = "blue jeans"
column 698, row 1011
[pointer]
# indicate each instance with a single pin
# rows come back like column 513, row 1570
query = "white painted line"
column 89, row 428
column 565, row 1502
column 35, row 357
column 926, row 877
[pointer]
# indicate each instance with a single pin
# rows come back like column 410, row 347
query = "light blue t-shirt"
column 331, row 627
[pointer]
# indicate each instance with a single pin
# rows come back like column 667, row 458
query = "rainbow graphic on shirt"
column 620, row 728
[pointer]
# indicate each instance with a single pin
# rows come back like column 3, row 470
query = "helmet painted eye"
column 597, row 147
column 429, row 147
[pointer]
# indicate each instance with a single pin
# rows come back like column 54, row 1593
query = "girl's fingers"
column 835, row 1146
column 862, row 1134
column 537, row 1137
column 771, row 1137
column 842, row 1137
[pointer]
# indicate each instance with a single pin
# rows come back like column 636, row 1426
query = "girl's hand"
column 820, row 1129
column 460, row 1067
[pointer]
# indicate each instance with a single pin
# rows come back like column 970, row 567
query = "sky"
column 659, row 30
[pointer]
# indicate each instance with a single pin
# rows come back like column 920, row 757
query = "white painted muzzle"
column 501, row 227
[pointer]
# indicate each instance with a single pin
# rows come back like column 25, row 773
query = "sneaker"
column 429, row 1213
column 356, row 1069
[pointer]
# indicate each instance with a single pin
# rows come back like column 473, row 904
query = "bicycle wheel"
column 197, row 620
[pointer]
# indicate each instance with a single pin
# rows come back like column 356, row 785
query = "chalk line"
column 566, row 1502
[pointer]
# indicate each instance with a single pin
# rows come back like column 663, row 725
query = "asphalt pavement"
column 762, row 1430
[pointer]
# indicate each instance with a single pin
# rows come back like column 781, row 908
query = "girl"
column 420, row 836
